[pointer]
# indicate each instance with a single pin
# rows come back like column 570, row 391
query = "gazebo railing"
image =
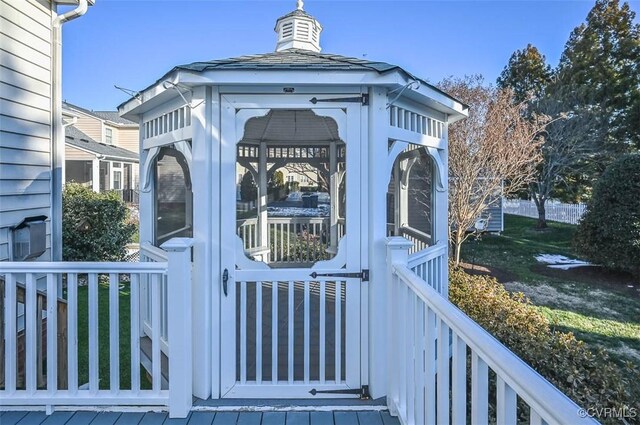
column 430, row 265
column 291, row 239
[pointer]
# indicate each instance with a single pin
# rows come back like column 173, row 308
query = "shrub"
column 95, row 226
column 609, row 233
column 590, row 379
column 248, row 188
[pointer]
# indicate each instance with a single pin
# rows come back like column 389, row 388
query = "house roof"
column 114, row 117
column 111, row 116
column 78, row 139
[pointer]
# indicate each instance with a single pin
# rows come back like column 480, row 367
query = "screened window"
column 410, row 198
column 108, row 136
column 174, row 198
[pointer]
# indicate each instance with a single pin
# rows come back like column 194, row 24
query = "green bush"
column 609, row 233
column 95, row 226
column 248, row 188
column 590, row 379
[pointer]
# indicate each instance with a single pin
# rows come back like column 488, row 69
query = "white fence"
column 89, row 315
column 554, row 211
column 431, row 343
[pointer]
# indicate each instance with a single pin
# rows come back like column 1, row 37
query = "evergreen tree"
column 527, row 74
column 601, row 62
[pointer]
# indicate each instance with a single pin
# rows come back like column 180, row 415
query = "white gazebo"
column 289, row 284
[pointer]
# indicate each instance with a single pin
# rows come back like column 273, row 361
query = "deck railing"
column 432, row 342
column 430, row 264
column 94, row 292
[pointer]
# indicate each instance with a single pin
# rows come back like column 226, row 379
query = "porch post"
column 377, row 183
column 179, row 326
column 263, row 226
column 397, row 253
column 95, row 175
column 334, row 195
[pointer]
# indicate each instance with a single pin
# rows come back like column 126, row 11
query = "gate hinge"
column 363, row 275
column 363, row 392
column 363, row 99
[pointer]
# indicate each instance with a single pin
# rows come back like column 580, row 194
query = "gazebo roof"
column 294, row 59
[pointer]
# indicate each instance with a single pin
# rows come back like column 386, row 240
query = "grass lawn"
column 603, row 314
column 103, row 337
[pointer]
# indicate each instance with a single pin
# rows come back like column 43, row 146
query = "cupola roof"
column 298, row 30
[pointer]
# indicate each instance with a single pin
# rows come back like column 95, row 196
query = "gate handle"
column 225, row 279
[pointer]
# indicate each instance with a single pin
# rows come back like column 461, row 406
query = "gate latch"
column 225, row 279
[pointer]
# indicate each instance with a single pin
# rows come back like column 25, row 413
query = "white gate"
column 290, row 327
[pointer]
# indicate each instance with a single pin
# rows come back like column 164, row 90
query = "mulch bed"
column 501, row 275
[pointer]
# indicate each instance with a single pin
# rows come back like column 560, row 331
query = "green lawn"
column 604, row 316
column 103, row 337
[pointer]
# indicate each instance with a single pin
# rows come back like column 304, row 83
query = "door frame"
column 235, row 112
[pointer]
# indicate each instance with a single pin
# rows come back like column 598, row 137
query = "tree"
column 248, row 188
column 527, row 74
column 95, row 226
column 567, row 145
column 497, row 143
column 602, row 57
column 568, row 140
column 609, row 232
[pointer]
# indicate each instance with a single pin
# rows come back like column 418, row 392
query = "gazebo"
column 289, row 170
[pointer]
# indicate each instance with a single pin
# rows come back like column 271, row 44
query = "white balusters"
column 430, row 343
column 67, row 380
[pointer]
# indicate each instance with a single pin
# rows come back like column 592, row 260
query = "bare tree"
column 318, row 174
column 568, row 143
column 496, row 144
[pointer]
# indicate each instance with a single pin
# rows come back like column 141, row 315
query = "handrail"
column 543, row 398
column 81, row 267
column 427, row 254
column 421, row 236
column 153, row 252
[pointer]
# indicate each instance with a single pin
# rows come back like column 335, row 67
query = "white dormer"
column 298, row 30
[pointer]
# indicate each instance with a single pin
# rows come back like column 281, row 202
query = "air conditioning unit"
column 29, row 238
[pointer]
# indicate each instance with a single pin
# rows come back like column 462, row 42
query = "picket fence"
column 555, row 211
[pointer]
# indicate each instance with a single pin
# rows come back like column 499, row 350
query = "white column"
column 179, row 326
column 95, row 175
column 334, row 186
column 441, row 207
column 397, row 253
column 377, row 210
column 263, row 226
column 205, row 171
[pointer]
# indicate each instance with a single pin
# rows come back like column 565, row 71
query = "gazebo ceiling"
column 289, row 125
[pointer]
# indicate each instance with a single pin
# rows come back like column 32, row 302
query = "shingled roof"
column 78, row 139
column 293, row 59
column 112, row 116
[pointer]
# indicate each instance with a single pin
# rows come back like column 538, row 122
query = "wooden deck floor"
column 200, row 418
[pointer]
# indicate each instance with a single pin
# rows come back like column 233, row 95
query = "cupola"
column 298, row 30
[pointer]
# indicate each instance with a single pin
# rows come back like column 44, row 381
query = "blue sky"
column 132, row 43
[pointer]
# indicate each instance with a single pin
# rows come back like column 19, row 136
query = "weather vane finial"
column 299, row 4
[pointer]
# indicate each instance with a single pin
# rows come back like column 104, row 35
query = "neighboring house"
column 30, row 128
column 101, row 144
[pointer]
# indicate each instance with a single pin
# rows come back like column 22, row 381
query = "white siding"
column 25, row 115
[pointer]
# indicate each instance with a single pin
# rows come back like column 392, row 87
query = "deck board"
column 201, row 418
column 345, row 418
column 32, row 418
column 58, row 418
column 274, row 418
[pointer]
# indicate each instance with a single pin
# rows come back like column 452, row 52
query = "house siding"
column 25, row 115
column 74, row 154
column 90, row 126
column 128, row 139
column 495, row 216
